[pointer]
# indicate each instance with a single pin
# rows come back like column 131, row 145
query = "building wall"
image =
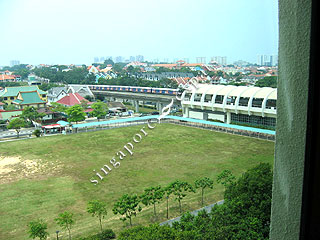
column 294, row 55
column 9, row 100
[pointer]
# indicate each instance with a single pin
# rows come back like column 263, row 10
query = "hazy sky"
column 76, row 31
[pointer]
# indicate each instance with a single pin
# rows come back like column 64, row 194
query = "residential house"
column 136, row 64
column 7, row 78
column 8, row 115
column 29, row 99
column 158, row 76
column 72, row 99
column 56, row 93
column 93, row 69
column 10, row 94
column 82, row 90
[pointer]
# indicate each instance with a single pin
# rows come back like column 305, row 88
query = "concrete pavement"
column 195, row 213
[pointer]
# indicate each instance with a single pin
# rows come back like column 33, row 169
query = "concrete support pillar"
column 136, row 103
column 205, row 116
column 160, row 107
column 185, row 111
column 228, row 118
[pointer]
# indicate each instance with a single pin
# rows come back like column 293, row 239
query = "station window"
column 219, row 99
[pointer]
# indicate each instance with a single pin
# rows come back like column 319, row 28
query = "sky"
column 76, row 31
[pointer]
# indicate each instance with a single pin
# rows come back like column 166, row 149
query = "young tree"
column 203, row 183
column 225, row 178
column 152, row 195
column 100, row 109
column 58, row 107
column 16, row 124
column 98, row 209
column 65, row 220
column 127, row 205
column 75, row 113
column 31, row 114
column 167, row 193
column 180, row 189
column 38, row 229
column 84, row 104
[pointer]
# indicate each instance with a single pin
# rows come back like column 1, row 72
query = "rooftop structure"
column 10, row 94
column 72, row 99
column 29, row 99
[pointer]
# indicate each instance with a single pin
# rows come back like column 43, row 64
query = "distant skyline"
column 76, row 31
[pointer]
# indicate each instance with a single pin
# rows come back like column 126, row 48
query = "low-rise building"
column 10, row 94
column 10, row 114
column 72, row 99
column 56, row 93
column 29, row 99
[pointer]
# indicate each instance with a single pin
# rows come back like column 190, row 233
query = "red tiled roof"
column 88, row 110
column 71, row 99
column 5, row 77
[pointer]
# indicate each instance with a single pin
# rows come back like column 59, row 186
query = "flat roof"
column 235, row 91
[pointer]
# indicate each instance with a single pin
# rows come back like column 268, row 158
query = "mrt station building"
column 230, row 104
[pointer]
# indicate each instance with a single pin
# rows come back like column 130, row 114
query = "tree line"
column 128, row 205
column 245, row 213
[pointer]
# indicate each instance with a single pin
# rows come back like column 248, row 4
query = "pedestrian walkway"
column 13, row 133
column 215, row 126
column 195, row 213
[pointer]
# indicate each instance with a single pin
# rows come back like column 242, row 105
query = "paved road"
column 207, row 208
column 13, row 133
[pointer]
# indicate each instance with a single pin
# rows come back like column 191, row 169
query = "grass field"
column 53, row 173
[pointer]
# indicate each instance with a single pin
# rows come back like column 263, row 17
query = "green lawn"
column 64, row 164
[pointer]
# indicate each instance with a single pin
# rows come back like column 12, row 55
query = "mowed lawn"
column 57, row 178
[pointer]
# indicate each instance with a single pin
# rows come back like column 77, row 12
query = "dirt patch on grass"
column 15, row 168
column 6, row 164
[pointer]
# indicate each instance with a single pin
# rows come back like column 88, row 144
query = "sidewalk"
column 10, row 133
column 195, row 213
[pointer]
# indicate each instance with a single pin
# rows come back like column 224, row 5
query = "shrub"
column 105, row 235
column 37, row 133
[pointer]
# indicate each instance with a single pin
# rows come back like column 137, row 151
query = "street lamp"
column 57, row 232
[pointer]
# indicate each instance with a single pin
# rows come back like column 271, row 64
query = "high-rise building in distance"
column 201, row 60
column 186, row 60
column 132, row 58
column 220, row 60
column 267, row 60
column 14, row 62
column 139, row 58
column 119, row 59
